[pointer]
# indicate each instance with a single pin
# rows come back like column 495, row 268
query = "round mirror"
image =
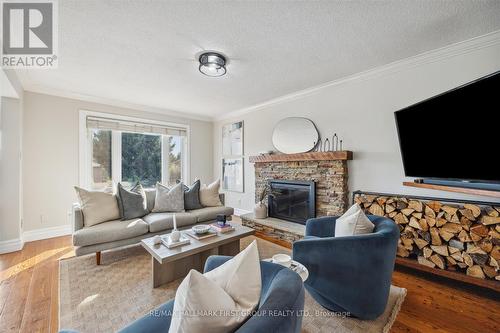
column 295, row 135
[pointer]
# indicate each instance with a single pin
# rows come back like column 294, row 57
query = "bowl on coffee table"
column 201, row 229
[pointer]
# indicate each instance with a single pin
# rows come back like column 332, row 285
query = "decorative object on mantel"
column 327, row 146
column 260, row 208
column 459, row 239
column 266, row 152
column 335, row 142
column 295, row 135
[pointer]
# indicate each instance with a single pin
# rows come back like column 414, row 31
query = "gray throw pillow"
column 192, row 196
column 169, row 200
column 131, row 203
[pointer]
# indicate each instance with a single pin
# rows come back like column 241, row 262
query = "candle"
column 175, row 223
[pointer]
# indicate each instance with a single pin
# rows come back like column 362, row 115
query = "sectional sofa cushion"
column 164, row 221
column 232, row 290
column 169, row 199
column 192, row 196
column 209, row 194
column 353, row 222
column 109, row 232
column 97, row 206
column 131, row 203
column 210, row 213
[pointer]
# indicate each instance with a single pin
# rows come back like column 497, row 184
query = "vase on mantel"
column 260, row 210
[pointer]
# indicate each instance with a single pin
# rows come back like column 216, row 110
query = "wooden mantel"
column 312, row 156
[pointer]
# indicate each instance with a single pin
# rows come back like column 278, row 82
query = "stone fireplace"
column 328, row 172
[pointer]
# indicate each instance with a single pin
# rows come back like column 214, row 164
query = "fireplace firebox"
column 292, row 200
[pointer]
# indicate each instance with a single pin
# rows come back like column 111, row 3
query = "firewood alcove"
column 456, row 239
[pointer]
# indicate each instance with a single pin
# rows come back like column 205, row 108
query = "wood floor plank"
column 29, row 296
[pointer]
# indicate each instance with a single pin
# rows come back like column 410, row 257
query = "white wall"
column 50, row 166
column 10, row 169
column 360, row 110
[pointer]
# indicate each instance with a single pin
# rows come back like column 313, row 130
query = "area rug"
column 106, row 298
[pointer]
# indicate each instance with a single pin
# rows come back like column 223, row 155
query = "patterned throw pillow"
column 169, row 200
column 192, row 196
column 132, row 203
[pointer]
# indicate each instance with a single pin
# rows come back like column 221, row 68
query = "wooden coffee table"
column 172, row 264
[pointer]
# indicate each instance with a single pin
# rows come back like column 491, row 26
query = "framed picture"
column 232, row 174
column 232, row 139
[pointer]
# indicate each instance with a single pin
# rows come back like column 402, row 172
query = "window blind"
column 132, row 126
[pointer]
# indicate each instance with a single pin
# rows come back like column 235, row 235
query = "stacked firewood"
column 453, row 237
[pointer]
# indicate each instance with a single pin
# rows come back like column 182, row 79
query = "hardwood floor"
column 29, row 296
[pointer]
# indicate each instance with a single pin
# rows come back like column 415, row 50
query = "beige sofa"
column 116, row 233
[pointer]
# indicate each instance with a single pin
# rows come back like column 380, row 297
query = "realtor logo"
column 29, row 34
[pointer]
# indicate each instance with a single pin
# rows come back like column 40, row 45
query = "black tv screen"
column 455, row 135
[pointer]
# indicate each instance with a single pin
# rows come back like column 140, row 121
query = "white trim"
column 439, row 54
column 239, row 211
column 44, row 233
column 116, row 103
column 11, row 245
column 84, row 145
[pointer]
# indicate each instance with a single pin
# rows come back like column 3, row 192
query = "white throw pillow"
column 209, row 194
column 97, row 206
column 353, row 222
column 219, row 300
column 169, row 200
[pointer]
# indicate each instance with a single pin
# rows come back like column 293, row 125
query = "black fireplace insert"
column 292, row 200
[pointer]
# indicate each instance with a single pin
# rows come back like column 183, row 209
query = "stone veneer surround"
column 330, row 177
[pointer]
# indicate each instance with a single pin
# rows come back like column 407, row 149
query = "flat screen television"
column 454, row 136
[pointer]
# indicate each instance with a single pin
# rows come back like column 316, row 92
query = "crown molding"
column 443, row 53
column 113, row 102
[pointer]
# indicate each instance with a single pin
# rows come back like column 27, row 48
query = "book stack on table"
column 222, row 228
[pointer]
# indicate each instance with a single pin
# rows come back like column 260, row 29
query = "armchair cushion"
column 109, row 232
column 232, row 290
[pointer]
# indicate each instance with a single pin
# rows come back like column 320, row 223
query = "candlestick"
column 175, row 223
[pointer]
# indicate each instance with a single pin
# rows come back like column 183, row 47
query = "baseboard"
column 11, row 245
column 239, row 211
column 44, row 233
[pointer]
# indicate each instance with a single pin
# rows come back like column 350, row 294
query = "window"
column 127, row 151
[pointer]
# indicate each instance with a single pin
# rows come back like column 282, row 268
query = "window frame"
column 85, row 148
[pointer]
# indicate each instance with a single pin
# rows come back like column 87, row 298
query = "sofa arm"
column 321, row 226
column 77, row 216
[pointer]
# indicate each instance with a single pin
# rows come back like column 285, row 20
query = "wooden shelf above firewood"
column 312, row 156
column 465, row 190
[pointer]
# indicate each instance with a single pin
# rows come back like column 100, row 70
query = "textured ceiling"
column 143, row 52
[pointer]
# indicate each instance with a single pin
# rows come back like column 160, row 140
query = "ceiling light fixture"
column 212, row 64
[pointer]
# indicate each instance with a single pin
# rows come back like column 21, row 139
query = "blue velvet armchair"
column 349, row 274
column 282, row 293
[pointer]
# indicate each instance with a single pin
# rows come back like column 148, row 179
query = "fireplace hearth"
column 292, row 200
